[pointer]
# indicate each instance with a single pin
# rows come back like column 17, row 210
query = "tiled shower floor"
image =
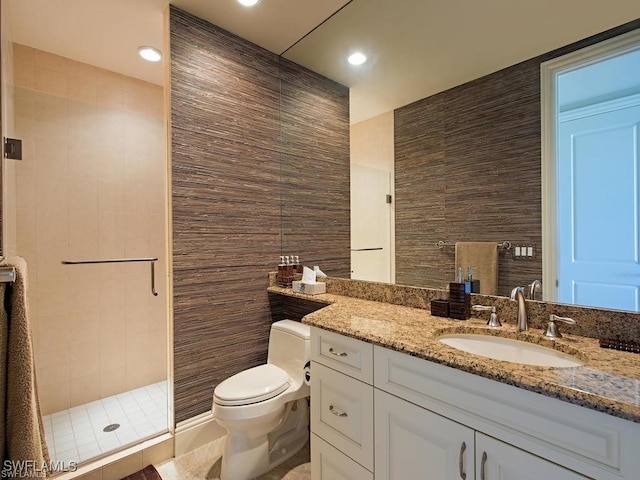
column 76, row 434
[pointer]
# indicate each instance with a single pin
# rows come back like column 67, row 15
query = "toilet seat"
column 254, row 385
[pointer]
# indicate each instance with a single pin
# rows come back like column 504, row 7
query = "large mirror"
column 446, row 113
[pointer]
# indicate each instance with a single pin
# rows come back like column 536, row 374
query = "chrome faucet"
column 535, row 285
column 518, row 294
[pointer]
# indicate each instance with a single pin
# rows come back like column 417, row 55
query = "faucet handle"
column 493, row 318
column 483, row 308
column 552, row 329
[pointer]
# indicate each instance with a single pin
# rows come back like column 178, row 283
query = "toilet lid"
column 251, row 386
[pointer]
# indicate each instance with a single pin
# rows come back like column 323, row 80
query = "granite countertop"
column 609, row 380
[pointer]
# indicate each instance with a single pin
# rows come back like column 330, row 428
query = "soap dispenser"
column 294, row 263
column 459, row 298
column 288, row 272
column 280, row 280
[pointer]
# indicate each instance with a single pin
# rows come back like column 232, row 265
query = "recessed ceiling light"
column 150, row 54
column 248, row 3
column 357, row 58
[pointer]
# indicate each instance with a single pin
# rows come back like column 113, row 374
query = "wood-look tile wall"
column 315, row 169
column 292, row 308
column 468, row 168
column 226, row 188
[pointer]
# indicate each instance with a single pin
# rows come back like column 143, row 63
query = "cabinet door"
column 412, row 442
column 328, row 463
column 496, row 460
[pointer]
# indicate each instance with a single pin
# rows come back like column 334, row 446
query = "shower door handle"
column 153, row 261
column 153, row 279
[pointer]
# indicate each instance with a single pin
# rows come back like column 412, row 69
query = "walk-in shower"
column 90, row 207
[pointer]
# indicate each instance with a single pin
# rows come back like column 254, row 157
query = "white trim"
column 598, row 108
column 548, row 92
column 196, row 432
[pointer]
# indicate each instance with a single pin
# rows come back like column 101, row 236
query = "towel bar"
column 153, row 261
column 7, row 274
column 440, row 244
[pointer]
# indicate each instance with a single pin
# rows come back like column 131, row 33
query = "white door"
column 496, row 460
column 413, row 443
column 598, row 220
column 370, row 224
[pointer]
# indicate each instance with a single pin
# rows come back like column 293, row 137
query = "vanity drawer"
column 347, row 355
column 328, row 463
column 342, row 413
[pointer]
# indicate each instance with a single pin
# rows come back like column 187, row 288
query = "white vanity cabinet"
column 411, row 418
column 496, row 460
column 341, row 407
column 412, row 442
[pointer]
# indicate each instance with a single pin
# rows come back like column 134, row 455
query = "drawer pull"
column 483, row 463
column 463, row 447
column 337, row 412
column 337, row 354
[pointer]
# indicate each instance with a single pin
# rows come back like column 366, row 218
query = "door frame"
column 549, row 72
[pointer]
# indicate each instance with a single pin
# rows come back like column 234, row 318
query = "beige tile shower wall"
column 91, row 185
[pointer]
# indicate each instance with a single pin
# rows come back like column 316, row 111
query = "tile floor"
column 204, row 464
column 77, row 434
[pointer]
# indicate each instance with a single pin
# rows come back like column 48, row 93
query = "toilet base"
column 247, row 456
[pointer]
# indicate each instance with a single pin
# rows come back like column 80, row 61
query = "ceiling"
column 107, row 33
column 416, row 47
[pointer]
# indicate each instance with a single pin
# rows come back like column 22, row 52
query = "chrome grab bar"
column 153, row 261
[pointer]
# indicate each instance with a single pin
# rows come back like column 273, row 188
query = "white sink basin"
column 510, row 350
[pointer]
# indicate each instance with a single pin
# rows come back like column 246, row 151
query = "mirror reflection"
column 446, row 115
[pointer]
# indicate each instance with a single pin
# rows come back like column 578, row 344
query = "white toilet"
column 265, row 409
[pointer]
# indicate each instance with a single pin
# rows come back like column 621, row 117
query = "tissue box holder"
column 309, row 288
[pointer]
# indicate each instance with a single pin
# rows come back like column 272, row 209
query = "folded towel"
column 21, row 429
column 483, row 258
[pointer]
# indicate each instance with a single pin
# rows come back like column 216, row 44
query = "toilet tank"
column 289, row 346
